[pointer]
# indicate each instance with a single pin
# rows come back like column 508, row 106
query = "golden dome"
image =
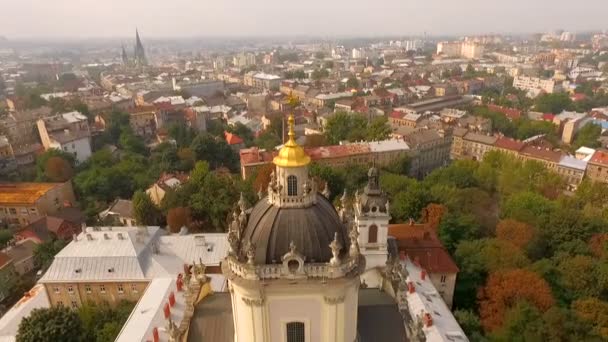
column 291, row 154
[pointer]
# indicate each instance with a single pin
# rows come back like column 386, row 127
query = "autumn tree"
column 262, row 177
column 593, row 311
column 178, row 218
column 599, row 244
column 432, row 215
column 518, row 233
column 58, row 169
column 505, row 288
column 55, row 166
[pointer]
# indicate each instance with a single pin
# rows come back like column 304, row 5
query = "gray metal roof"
column 311, row 229
column 132, row 253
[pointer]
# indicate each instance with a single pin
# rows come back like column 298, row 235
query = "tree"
column 522, row 323
column 581, row 276
column 599, row 244
column 378, row 129
column 267, row 140
column 182, row 134
column 215, row 151
column 352, row 82
column 400, row 166
column 456, row 228
column 528, row 207
column 594, row 311
column 145, row 211
column 101, row 322
column 262, row 177
column 432, row 215
column 552, row 103
column 178, row 217
column 52, row 324
column 588, row 136
column 518, row 233
column 470, row 323
column 505, row 288
column 58, row 169
column 45, row 252
column 5, row 237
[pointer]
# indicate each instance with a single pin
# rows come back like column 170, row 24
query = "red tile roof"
column 254, row 155
column 232, row 139
column 509, row 144
column 511, row 113
column 397, row 114
column 422, row 244
column 600, row 157
column 548, row 116
column 578, row 97
column 543, row 153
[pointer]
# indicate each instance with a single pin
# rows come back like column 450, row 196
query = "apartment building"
column 23, row 203
column 20, row 126
column 111, row 264
column 262, row 81
column 535, row 85
column 143, row 120
column 382, row 152
column 430, row 149
column 597, row 168
column 68, row 132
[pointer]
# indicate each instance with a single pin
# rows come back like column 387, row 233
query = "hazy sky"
column 169, row 18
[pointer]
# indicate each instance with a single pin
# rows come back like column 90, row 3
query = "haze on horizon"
column 187, row 18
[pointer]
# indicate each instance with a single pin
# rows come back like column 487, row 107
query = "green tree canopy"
column 145, row 211
column 52, row 324
column 552, row 103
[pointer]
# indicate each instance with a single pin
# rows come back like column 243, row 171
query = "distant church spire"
column 140, row 53
column 125, row 58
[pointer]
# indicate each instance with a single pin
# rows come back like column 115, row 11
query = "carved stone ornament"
column 254, row 301
column 333, row 300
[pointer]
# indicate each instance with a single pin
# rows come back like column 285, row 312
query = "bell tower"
column 371, row 221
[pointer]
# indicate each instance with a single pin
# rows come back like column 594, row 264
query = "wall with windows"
column 75, row 294
column 444, row 283
column 326, row 312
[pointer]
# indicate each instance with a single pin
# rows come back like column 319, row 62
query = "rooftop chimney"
column 410, row 287
column 428, row 320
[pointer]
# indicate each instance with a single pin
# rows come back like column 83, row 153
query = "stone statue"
column 326, row 191
column 335, row 251
column 172, row 330
column 250, row 252
column 354, row 241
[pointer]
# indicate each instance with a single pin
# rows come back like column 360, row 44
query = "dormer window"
column 292, row 185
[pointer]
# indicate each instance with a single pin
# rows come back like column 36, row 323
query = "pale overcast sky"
column 171, row 18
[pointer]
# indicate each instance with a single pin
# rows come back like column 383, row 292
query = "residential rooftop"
column 24, row 193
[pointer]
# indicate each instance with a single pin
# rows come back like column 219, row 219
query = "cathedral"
column 139, row 53
column 292, row 268
column 300, row 270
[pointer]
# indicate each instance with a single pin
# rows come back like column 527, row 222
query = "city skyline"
column 72, row 19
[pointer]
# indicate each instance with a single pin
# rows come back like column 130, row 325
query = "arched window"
column 295, row 332
column 292, row 186
column 372, row 236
